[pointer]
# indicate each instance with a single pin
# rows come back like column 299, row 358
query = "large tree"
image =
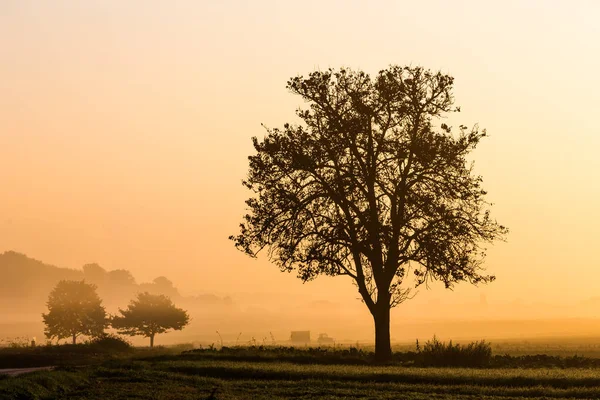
column 373, row 186
column 148, row 315
column 74, row 309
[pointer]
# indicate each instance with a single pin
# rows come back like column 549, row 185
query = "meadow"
column 282, row 372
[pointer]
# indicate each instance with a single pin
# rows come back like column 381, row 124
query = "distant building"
column 300, row 337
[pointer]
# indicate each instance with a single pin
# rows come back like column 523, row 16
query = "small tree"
column 148, row 315
column 74, row 309
column 373, row 186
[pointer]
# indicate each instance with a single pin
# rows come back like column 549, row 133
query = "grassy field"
column 585, row 346
column 284, row 373
column 184, row 379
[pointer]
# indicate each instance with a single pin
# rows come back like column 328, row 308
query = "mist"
column 269, row 317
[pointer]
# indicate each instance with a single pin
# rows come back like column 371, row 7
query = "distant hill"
column 25, row 283
column 24, row 280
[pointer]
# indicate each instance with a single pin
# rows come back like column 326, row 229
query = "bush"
column 110, row 343
column 440, row 354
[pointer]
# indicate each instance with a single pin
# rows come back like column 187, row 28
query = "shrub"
column 441, row 354
column 110, row 343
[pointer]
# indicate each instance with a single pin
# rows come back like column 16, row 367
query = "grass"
column 162, row 374
column 183, row 379
column 75, row 355
column 42, row 385
column 583, row 346
column 477, row 354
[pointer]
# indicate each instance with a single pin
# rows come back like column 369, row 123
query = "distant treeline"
column 26, row 282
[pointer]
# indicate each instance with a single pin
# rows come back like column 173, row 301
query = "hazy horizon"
column 240, row 316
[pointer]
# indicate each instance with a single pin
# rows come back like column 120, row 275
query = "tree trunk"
column 152, row 340
column 383, row 347
column 74, row 338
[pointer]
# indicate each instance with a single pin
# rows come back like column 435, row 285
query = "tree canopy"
column 371, row 185
column 74, row 309
column 148, row 315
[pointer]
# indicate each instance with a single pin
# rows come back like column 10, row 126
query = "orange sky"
column 125, row 127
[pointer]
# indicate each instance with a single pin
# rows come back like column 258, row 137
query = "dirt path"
column 19, row 371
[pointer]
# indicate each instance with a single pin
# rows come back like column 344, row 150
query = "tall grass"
column 436, row 353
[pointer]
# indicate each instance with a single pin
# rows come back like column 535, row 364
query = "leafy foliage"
column 148, row 315
column 74, row 309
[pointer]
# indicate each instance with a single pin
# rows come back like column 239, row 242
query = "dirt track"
column 19, row 371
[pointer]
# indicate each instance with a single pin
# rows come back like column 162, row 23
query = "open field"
column 254, row 373
column 563, row 346
column 181, row 379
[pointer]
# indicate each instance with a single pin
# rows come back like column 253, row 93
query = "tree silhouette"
column 95, row 273
column 162, row 285
column 369, row 188
column 149, row 315
column 74, row 309
column 121, row 277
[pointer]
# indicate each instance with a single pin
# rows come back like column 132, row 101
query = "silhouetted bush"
column 441, row 354
column 110, row 343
